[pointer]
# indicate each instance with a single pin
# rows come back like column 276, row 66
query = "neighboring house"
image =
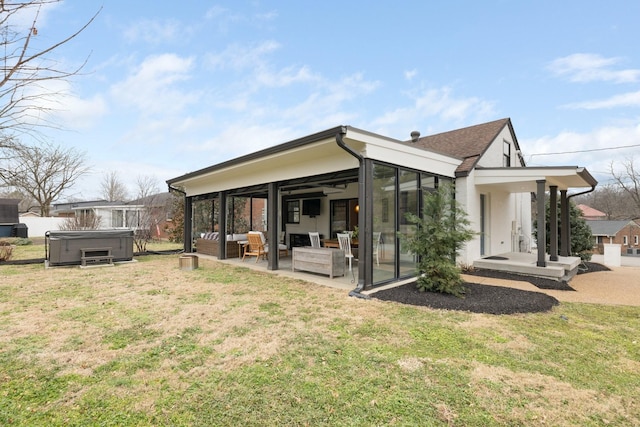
column 356, row 177
column 625, row 233
column 152, row 211
column 112, row 215
column 590, row 213
column 156, row 213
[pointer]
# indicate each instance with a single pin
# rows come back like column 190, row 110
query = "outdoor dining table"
column 333, row 243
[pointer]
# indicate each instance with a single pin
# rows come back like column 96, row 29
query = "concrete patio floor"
column 347, row 282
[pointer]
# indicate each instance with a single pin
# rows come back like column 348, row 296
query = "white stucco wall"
column 508, row 218
column 509, row 214
column 494, row 153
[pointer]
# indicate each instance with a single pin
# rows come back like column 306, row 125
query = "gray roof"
column 468, row 144
column 601, row 227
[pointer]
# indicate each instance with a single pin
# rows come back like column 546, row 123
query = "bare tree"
column 83, row 221
column 42, row 172
column 155, row 209
column 27, row 67
column 27, row 203
column 629, row 182
column 112, row 188
column 146, row 185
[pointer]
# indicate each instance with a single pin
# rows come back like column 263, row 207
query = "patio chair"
column 314, row 236
column 282, row 248
column 344, row 240
column 256, row 246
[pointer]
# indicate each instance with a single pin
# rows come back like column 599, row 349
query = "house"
column 151, row 211
column 345, row 177
column 625, row 233
column 589, row 213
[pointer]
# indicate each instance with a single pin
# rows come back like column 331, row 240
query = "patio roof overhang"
column 525, row 179
column 315, row 155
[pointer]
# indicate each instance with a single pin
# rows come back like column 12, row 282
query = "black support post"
column 553, row 218
column 188, row 224
column 222, row 222
column 272, row 227
column 542, row 223
column 565, row 225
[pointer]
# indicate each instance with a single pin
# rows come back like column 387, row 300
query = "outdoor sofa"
column 209, row 244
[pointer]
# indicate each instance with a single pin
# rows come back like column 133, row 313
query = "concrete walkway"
column 620, row 286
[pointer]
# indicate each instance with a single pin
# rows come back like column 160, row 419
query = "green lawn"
column 146, row 343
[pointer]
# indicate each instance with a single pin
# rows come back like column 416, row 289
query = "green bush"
column 21, row 241
column 440, row 234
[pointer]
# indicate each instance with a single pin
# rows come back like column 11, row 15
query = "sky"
column 169, row 88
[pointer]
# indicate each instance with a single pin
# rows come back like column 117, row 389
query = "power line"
column 584, row 151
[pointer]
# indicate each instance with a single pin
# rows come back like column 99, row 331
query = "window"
column 117, row 218
column 625, row 240
column 635, row 240
column 506, row 161
column 293, row 212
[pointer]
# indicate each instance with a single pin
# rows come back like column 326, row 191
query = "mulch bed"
column 485, row 298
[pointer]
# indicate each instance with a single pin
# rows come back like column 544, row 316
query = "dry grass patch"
column 541, row 398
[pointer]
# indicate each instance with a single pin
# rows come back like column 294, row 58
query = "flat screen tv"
column 311, row 207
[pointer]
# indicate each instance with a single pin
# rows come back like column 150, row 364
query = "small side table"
column 242, row 245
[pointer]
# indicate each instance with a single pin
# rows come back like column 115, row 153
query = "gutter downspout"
column 361, row 214
column 567, row 216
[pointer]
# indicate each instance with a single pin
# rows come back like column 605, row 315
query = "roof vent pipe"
column 415, row 135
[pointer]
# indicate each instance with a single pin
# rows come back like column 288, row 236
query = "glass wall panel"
column 408, row 203
column 384, row 222
column 344, row 216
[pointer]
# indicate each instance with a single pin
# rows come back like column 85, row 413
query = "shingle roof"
column 602, row 227
column 467, row 143
column 589, row 212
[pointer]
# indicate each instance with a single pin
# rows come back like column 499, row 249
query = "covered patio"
column 545, row 183
column 347, row 179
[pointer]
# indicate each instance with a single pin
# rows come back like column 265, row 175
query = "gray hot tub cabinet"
column 67, row 247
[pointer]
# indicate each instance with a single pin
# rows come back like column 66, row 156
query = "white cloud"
column 595, row 150
column 238, row 57
column 152, row 87
column 285, row 77
column 631, row 99
column 24, row 17
column 436, row 104
column 83, row 113
column 325, row 105
column 154, row 32
column 224, row 20
column 588, row 67
column 410, row 74
column 241, row 138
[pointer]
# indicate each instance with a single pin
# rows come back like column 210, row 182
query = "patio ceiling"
column 524, row 180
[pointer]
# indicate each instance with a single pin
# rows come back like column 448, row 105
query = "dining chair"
column 344, row 240
column 314, row 236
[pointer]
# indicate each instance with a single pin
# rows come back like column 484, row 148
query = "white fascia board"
column 524, row 179
column 377, row 147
